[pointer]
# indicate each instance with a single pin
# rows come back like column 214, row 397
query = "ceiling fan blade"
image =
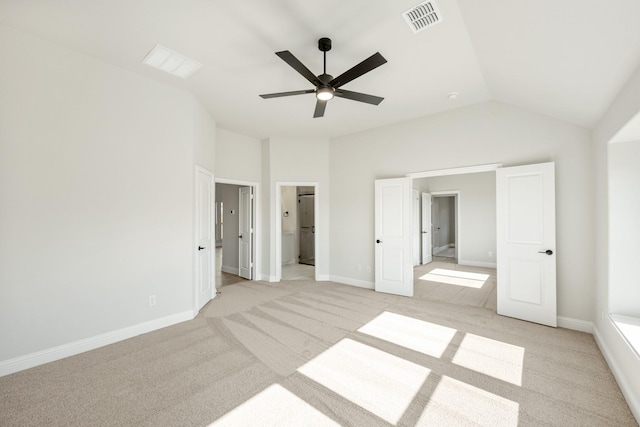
column 372, row 62
column 320, row 107
column 288, row 57
column 357, row 96
column 280, row 94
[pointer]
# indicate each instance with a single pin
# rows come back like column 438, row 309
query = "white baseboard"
column 60, row 352
column 575, row 324
column 230, row 270
column 323, row 278
column 620, row 374
column 353, row 282
column 477, row 263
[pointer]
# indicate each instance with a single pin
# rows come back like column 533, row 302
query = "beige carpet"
column 302, row 353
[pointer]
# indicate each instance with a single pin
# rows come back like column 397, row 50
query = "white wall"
column 238, row 157
column 204, row 137
column 96, row 189
column 297, row 160
column 481, row 134
column 624, row 228
column 476, row 213
column 229, row 195
column 623, row 362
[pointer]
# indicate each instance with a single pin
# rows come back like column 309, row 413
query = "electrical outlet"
column 359, row 267
column 368, row 269
column 152, row 300
column 490, row 254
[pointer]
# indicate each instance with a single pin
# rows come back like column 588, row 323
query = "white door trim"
column 256, row 250
column 455, row 171
column 278, row 225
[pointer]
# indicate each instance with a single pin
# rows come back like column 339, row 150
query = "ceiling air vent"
column 422, row 16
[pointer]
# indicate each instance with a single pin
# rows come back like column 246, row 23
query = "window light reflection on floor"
column 418, row 335
column 458, row 278
column 373, row 379
column 490, row 357
column 455, row 403
column 274, row 406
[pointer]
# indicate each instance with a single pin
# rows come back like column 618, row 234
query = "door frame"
column 456, row 197
column 278, row 225
column 256, row 253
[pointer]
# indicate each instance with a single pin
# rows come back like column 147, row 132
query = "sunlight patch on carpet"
column 424, row 337
column 458, row 278
column 490, row 357
column 455, row 403
column 274, row 406
column 373, row 379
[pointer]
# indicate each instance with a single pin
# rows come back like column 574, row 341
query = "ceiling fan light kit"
column 324, row 93
column 326, row 86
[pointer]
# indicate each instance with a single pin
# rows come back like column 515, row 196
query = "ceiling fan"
column 326, row 86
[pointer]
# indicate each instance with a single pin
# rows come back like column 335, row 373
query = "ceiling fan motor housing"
column 324, row 44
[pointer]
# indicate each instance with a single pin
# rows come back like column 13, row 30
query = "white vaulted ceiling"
column 565, row 59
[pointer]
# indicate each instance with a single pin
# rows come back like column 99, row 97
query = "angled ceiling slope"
column 567, row 61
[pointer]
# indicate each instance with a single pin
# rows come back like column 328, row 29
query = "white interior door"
column 526, row 258
column 415, row 220
column 393, row 250
column 204, row 237
column 245, row 236
column 427, row 256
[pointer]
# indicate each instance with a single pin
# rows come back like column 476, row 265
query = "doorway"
column 524, row 233
column 235, row 228
column 444, row 226
column 296, row 231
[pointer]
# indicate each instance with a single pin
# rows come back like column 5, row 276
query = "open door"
column 526, row 258
column 427, row 251
column 307, row 229
column 245, row 236
column 393, row 252
column 204, row 237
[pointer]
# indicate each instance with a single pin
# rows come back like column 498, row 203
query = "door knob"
column 424, row 232
column 201, row 248
column 378, row 241
column 240, row 236
column 548, row 252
